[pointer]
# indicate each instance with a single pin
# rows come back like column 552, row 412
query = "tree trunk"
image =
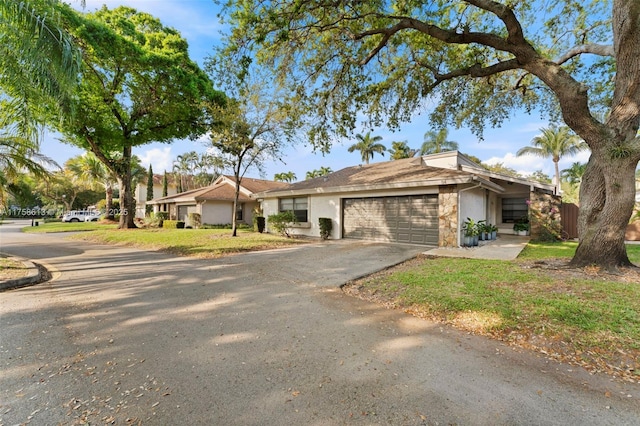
column 109, row 202
column 607, row 196
column 234, row 222
column 557, row 176
column 127, row 203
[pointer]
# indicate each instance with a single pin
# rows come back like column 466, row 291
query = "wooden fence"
column 569, row 215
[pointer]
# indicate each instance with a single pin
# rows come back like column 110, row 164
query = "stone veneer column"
column 448, row 216
column 544, row 216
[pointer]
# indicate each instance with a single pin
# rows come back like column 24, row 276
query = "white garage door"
column 409, row 219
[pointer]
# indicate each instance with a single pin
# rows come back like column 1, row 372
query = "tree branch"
column 595, row 49
column 514, row 42
column 475, row 71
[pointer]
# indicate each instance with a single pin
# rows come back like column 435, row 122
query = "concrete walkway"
column 505, row 247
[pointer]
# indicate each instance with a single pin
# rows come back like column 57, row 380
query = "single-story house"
column 215, row 203
column 422, row 200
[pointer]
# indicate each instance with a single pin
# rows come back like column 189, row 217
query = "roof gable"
column 437, row 169
column 223, row 189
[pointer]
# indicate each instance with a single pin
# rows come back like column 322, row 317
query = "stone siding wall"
column 448, row 216
column 544, row 216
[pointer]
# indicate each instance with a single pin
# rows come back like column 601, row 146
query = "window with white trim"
column 298, row 205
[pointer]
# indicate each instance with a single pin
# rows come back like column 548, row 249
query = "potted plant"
column 494, row 231
column 470, row 229
column 482, row 231
column 521, row 228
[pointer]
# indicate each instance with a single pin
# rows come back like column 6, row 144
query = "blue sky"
column 197, row 22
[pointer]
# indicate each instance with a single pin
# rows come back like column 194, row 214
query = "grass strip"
column 190, row 242
column 53, row 227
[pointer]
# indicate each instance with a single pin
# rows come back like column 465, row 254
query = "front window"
column 298, row 205
column 239, row 209
column 514, row 209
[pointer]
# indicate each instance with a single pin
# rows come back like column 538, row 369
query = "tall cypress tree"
column 165, row 185
column 150, row 184
column 148, row 207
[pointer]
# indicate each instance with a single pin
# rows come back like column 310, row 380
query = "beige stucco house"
column 215, row 203
column 421, row 200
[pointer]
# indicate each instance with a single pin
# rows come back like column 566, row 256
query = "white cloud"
column 160, row 159
column 524, row 165
column 527, row 164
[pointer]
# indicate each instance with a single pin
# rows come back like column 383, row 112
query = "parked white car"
column 81, row 216
column 93, row 216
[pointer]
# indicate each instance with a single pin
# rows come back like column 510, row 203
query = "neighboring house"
column 421, row 200
column 215, row 203
column 140, row 193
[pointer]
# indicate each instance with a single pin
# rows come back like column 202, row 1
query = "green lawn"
column 538, row 251
column 67, row 227
column 583, row 316
column 189, row 242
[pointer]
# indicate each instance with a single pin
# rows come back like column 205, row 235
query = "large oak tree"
column 478, row 61
column 138, row 86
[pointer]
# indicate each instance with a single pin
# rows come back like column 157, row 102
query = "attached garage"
column 404, row 219
column 421, row 200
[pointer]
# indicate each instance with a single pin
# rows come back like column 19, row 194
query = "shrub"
column 281, row 222
column 172, row 224
column 195, row 220
column 225, row 226
column 325, row 227
column 102, row 205
column 258, row 223
column 156, row 219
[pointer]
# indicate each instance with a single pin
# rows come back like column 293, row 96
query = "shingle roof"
column 220, row 192
column 258, row 185
column 437, row 169
column 223, row 190
column 403, row 171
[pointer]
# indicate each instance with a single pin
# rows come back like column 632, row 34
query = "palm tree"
column 554, row 142
column 90, row 169
column 39, row 63
column 285, row 177
column 208, row 167
column 183, row 166
column 400, row 150
column 435, row 142
column 573, row 174
column 39, row 66
column 18, row 156
column 368, row 146
column 323, row 171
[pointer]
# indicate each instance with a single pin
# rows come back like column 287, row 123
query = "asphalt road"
column 124, row 336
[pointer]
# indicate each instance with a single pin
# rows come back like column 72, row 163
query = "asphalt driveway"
column 126, row 336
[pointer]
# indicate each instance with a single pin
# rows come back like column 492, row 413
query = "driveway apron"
column 125, row 336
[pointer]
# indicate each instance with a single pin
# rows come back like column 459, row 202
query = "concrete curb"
column 33, row 276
